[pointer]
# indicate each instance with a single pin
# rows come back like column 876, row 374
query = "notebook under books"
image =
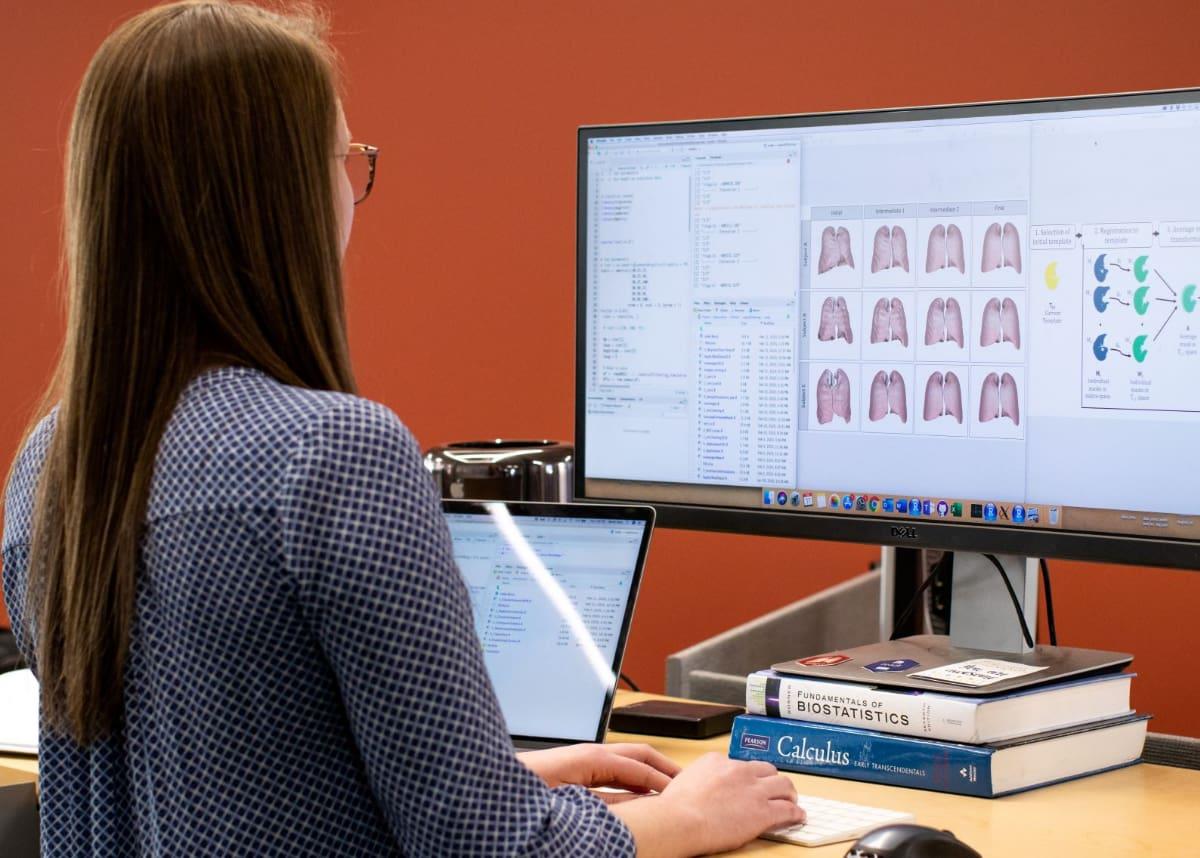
column 552, row 588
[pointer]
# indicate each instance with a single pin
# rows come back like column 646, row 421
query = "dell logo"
column 904, row 532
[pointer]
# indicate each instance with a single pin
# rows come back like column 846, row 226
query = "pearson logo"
column 751, row 742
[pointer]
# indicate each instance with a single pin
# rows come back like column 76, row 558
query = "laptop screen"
column 552, row 596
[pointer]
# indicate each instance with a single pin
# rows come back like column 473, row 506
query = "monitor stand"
column 983, row 624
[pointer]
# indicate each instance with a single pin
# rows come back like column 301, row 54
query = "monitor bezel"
column 922, row 533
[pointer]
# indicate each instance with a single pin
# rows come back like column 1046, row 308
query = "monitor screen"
column 552, row 598
column 970, row 326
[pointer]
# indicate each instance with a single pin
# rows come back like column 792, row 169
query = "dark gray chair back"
column 1167, row 750
column 19, row 821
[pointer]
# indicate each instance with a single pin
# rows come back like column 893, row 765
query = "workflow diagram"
column 1140, row 328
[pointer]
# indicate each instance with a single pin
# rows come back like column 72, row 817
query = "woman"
column 231, row 574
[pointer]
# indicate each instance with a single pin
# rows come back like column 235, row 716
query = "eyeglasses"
column 360, row 168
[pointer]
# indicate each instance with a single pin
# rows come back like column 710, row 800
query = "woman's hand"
column 637, row 768
column 716, row 804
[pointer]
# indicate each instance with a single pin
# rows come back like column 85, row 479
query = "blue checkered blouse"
column 304, row 677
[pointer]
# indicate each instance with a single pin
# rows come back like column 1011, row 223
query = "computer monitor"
column 969, row 327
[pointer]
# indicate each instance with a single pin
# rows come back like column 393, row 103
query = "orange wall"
column 461, row 272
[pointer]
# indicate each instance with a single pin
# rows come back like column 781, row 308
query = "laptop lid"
column 552, row 589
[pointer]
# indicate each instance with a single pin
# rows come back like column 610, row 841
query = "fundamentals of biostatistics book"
column 979, row 770
column 934, row 715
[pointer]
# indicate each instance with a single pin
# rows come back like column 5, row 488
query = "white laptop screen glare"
column 549, row 595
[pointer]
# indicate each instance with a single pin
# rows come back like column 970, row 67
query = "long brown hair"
column 201, row 229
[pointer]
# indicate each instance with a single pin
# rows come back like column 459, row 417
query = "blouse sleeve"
column 365, row 539
column 20, row 497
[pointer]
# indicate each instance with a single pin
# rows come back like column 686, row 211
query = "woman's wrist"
column 662, row 827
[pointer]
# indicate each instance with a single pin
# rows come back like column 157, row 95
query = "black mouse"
column 910, row 841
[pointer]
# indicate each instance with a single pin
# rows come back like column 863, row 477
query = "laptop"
column 552, row 589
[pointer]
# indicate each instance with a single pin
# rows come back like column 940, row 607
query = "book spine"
column 851, row 705
column 862, row 755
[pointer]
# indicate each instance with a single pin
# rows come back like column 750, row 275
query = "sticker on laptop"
column 896, row 665
column 823, row 660
column 978, row 672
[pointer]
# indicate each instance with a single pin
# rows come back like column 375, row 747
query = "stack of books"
column 970, row 745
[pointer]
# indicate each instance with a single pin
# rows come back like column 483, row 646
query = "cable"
column 632, row 685
column 1013, row 595
column 912, row 602
column 936, row 571
column 1045, row 567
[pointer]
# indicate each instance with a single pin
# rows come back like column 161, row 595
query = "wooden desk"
column 1136, row 811
column 17, row 770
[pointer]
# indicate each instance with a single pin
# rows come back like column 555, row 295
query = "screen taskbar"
column 975, row 511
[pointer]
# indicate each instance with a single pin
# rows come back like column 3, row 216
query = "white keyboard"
column 833, row 821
